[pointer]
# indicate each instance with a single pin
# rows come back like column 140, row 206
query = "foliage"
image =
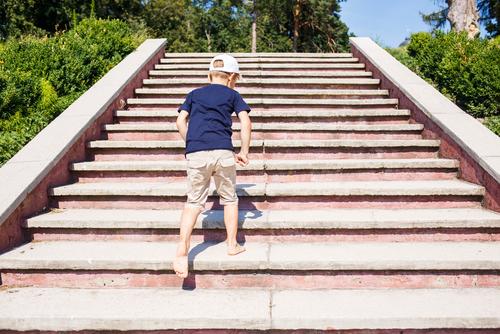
column 467, row 71
column 493, row 123
column 319, row 26
column 192, row 25
column 48, row 16
column 40, row 77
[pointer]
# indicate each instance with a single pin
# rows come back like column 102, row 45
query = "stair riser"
column 271, row 235
column 252, row 203
column 235, row 280
column 273, row 176
column 289, row 154
column 257, row 120
column 283, row 134
column 348, row 153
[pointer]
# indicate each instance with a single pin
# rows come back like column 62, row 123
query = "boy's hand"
column 241, row 159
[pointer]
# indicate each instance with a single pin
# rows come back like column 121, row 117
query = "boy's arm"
column 245, row 134
column 182, row 123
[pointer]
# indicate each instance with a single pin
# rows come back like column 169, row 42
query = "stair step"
column 346, row 113
column 61, row 309
column 170, row 127
column 255, row 81
column 306, row 60
column 143, row 309
column 150, row 144
column 351, row 143
column 140, row 255
column 344, row 164
column 153, row 144
column 292, row 92
column 266, row 66
column 347, row 188
column 238, row 55
column 269, row 102
column 271, row 219
column 250, row 73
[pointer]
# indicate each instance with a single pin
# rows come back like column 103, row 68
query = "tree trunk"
column 463, row 16
column 296, row 23
column 209, row 41
column 254, row 27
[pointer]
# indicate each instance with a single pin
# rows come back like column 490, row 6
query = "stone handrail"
column 461, row 133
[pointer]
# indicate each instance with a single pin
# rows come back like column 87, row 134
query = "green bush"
column 40, row 77
column 465, row 70
column 493, row 123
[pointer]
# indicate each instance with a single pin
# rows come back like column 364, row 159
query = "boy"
column 209, row 152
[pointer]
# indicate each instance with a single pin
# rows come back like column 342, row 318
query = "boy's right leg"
column 231, row 222
column 225, row 183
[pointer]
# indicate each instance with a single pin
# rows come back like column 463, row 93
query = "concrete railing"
column 462, row 137
column 43, row 162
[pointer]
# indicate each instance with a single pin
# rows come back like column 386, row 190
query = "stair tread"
column 315, row 143
column 304, row 66
column 343, row 188
column 310, row 126
column 176, row 165
column 244, row 66
column 287, row 55
column 208, row 255
column 169, row 112
column 279, row 101
column 272, row 91
column 244, row 60
column 154, row 143
column 259, row 73
column 260, row 309
column 200, row 81
column 272, row 219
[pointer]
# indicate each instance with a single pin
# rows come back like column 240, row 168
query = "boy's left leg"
column 198, row 172
column 188, row 220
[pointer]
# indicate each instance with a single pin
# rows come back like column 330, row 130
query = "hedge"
column 467, row 71
column 40, row 77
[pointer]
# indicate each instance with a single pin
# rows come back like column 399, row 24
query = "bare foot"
column 181, row 266
column 236, row 249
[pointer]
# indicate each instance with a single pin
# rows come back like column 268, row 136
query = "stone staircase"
column 350, row 217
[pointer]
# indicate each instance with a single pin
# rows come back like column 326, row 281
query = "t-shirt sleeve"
column 240, row 104
column 187, row 103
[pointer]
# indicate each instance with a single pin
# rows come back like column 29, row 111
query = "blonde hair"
column 220, row 74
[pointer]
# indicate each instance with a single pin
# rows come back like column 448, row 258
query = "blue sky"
column 386, row 21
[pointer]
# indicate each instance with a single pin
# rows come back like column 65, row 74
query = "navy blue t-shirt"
column 210, row 122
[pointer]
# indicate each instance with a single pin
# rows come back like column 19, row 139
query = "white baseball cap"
column 230, row 64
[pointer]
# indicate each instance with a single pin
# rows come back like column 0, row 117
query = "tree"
column 254, row 26
column 488, row 10
column 490, row 16
column 41, row 17
column 301, row 26
column 463, row 16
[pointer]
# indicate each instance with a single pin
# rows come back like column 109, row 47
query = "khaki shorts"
column 201, row 166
